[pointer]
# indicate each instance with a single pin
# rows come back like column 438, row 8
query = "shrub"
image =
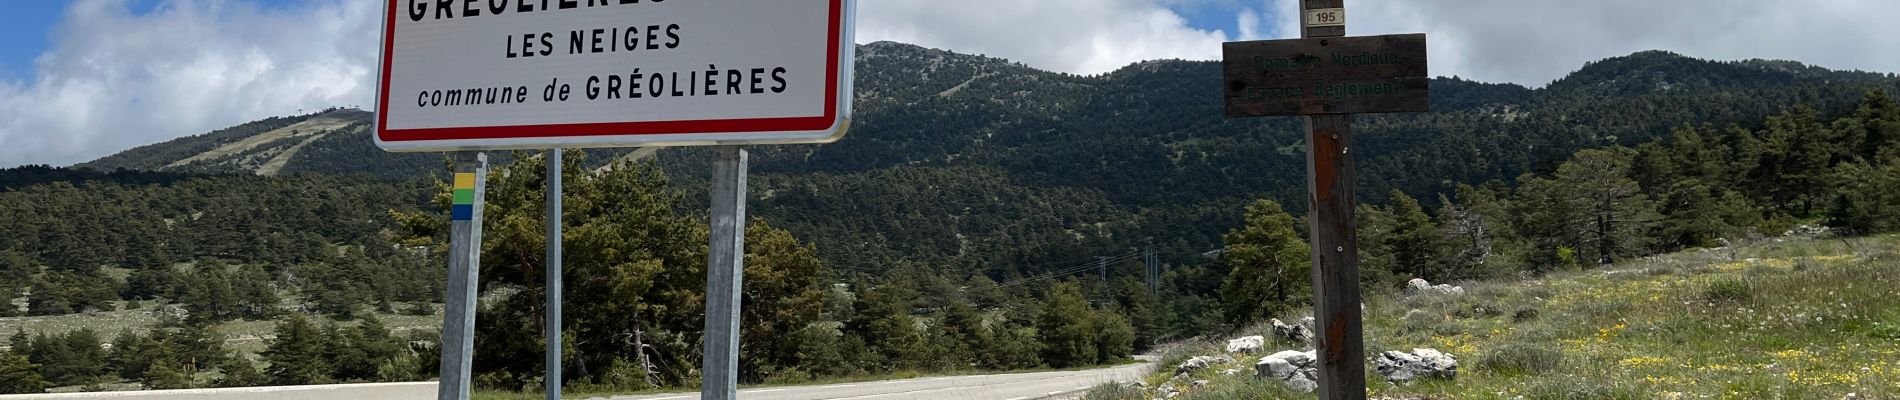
column 1728, row 290
column 1885, row 332
column 1519, row 358
column 1523, row 315
column 1113, row 391
column 1577, row 389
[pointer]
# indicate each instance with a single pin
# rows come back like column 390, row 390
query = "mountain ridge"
column 944, row 143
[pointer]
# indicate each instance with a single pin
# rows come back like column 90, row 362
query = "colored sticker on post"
column 464, row 180
column 463, row 208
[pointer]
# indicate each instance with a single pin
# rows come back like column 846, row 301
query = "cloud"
column 1535, row 42
column 114, row 79
column 1078, row 36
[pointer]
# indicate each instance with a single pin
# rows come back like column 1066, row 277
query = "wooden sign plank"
column 1333, row 75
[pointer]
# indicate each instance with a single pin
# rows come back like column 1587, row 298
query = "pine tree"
column 256, row 297
column 1066, row 327
column 1270, row 265
column 296, row 354
column 20, row 342
column 1115, row 337
column 240, row 372
column 167, row 375
column 1474, row 231
column 781, row 296
column 148, row 284
column 17, row 375
column 1413, row 241
column 196, row 347
column 74, row 358
column 363, row 349
column 209, row 296
column 960, row 334
column 16, row 273
column 889, row 328
column 65, row 292
column 132, row 355
column 1797, row 149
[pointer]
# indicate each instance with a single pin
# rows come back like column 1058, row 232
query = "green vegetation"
column 1645, row 328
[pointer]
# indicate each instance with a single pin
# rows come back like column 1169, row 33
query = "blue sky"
column 28, row 24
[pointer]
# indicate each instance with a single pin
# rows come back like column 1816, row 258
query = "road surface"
column 1024, row 386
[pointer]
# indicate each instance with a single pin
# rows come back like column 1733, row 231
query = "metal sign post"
column 1327, row 76
column 722, row 73
column 552, row 317
column 725, row 272
column 465, row 253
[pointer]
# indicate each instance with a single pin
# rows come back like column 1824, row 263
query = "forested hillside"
column 947, row 146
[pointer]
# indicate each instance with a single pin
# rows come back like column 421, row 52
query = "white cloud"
column 1079, row 36
column 1535, row 42
column 113, row 79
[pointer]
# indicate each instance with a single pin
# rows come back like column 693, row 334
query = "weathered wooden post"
column 1327, row 77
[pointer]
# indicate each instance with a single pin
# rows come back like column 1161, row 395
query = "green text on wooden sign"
column 1339, row 75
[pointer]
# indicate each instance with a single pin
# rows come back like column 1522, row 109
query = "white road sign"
column 499, row 74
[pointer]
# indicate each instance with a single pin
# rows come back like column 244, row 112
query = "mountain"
column 970, row 163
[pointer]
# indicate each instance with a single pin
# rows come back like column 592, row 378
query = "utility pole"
column 1151, row 263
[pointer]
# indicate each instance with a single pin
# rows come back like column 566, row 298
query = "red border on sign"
column 792, row 124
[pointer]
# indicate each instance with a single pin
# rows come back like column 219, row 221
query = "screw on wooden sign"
column 1325, row 17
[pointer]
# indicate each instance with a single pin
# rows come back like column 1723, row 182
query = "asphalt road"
column 1024, row 386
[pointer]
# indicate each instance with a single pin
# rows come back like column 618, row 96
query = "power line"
column 1076, row 268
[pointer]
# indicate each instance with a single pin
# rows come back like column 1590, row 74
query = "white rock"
column 1399, row 366
column 1295, row 368
column 1420, row 286
column 1301, row 383
column 1274, row 368
column 1200, row 362
column 1249, row 344
column 1291, row 333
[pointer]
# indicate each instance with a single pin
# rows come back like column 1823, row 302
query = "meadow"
column 1779, row 319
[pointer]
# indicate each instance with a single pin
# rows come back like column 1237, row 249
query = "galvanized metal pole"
column 552, row 318
column 725, row 271
column 1336, row 297
column 465, row 253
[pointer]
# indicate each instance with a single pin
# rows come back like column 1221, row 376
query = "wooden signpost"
column 1326, row 77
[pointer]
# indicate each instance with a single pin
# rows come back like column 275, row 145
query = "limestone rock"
column 1167, row 391
column 1399, row 366
column 1291, row 333
column 1298, row 369
column 1418, row 286
column 1249, row 344
column 1199, row 363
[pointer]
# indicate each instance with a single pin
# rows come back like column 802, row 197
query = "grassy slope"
column 1799, row 319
